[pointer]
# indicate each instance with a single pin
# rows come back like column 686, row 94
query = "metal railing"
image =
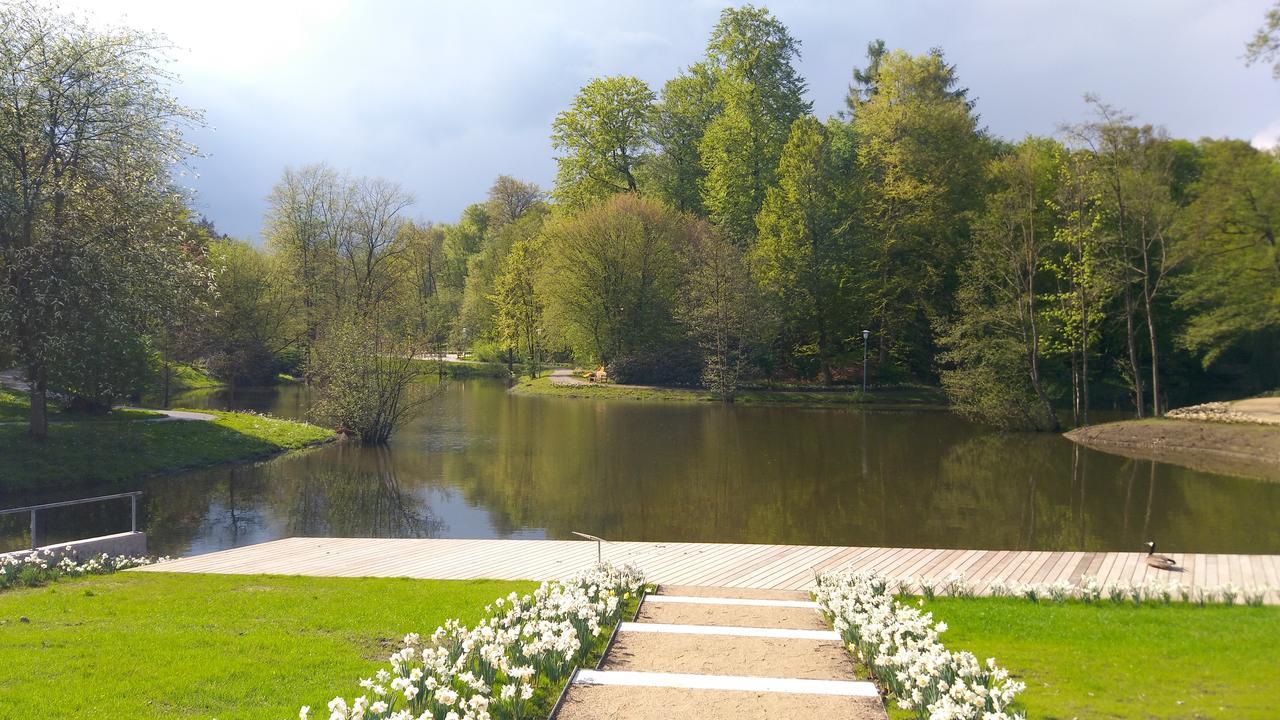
column 33, row 509
column 599, row 544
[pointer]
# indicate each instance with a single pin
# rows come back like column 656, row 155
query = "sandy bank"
column 1226, row 448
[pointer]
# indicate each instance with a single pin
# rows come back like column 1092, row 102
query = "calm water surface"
column 480, row 462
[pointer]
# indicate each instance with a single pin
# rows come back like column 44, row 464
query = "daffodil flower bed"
column 900, row 646
column 43, row 566
column 509, row 667
column 1089, row 590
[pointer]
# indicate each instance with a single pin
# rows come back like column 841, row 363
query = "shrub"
column 678, row 367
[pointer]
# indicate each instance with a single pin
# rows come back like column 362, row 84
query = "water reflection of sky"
column 224, row 527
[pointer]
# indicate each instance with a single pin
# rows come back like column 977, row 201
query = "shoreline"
column 909, row 398
column 1244, row 450
column 88, row 454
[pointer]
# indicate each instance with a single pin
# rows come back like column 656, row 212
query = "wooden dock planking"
column 789, row 567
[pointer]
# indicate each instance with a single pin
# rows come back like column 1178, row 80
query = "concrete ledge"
column 126, row 543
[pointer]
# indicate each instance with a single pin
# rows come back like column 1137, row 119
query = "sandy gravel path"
column 723, row 654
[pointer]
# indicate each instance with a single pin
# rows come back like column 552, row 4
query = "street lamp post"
column 865, row 334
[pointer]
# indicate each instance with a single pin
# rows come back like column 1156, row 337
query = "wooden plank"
column 1081, row 568
column 1095, row 563
column 984, row 569
column 708, row 560
column 917, row 565
column 761, row 558
column 898, row 560
column 1046, row 568
column 845, row 558
column 707, row 573
column 744, row 565
column 803, row 558
column 840, row 558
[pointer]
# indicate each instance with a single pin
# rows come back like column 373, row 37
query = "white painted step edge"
column 752, row 602
column 734, row 631
column 847, row 688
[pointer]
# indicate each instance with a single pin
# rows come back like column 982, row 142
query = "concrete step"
column 594, row 701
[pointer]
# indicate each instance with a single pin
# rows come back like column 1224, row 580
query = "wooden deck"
column 782, row 567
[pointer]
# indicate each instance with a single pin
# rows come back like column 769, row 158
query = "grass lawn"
column 1119, row 661
column 144, row 645
column 14, row 407
column 891, row 397
column 100, row 452
column 430, row 369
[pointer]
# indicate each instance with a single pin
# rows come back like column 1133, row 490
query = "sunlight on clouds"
column 225, row 37
column 1268, row 138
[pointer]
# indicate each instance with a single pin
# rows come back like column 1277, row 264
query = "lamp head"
column 866, row 334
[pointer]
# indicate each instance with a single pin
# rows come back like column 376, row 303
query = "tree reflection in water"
column 482, row 462
column 357, row 498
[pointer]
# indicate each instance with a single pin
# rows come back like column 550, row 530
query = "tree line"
column 710, row 232
column 715, row 231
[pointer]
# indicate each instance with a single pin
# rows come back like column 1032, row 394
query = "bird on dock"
column 1155, row 560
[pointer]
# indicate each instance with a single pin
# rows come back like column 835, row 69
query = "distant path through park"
column 13, row 380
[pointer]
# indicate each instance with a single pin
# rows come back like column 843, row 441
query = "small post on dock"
column 599, row 544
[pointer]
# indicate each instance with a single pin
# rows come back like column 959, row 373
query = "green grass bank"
column 15, row 408
column 106, row 453
column 919, row 397
column 1119, row 661
column 147, row 645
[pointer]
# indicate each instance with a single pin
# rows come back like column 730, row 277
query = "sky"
column 443, row 96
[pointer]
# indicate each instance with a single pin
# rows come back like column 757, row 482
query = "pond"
column 480, row 462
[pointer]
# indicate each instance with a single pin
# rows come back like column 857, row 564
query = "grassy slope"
column 77, row 453
column 141, row 645
column 189, row 377
column 1118, row 661
column 922, row 397
column 430, row 369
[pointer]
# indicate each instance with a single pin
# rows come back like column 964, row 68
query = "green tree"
column 88, row 134
column 611, row 276
column 479, row 313
column 1229, row 238
column 365, row 379
column 516, row 296
column 750, row 56
column 604, row 140
column 723, row 311
column 922, row 159
column 1265, row 44
column 1078, row 268
column 994, row 343
column 687, row 106
column 302, row 208
column 801, row 254
column 255, row 314
column 430, row 306
column 865, row 80
column 1134, row 170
